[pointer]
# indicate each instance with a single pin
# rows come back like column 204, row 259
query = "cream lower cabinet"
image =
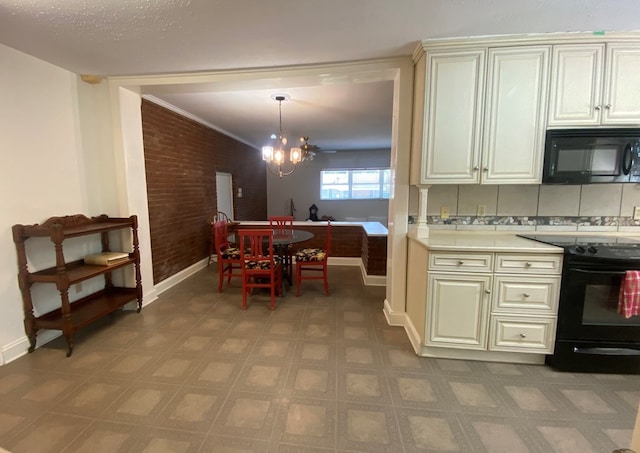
column 482, row 301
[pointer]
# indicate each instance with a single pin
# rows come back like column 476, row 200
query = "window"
column 356, row 184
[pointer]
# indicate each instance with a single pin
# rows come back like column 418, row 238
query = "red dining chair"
column 260, row 267
column 313, row 261
column 283, row 226
column 213, row 218
column 229, row 258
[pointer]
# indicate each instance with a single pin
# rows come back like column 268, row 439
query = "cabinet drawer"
column 467, row 262
column 534, row 295
column 528, row 264
column 522, row 334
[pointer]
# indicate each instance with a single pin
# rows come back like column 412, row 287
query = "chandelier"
column 276, row 157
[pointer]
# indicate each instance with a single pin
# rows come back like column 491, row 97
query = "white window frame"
column 350, row 183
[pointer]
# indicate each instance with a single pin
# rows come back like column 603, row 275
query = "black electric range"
column 592, row 334
column 603, row 247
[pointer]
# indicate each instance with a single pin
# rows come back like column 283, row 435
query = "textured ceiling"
column 127, row 37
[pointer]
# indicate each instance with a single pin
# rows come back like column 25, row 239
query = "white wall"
column 304, row 187
column 42, row 157
column 43, row 171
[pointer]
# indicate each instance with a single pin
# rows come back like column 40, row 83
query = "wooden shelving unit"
column 71, row 316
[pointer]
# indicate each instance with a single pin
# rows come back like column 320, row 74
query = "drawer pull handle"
column 460, row 262
column 523, row 335
column 528, row 264
column 526, row 294
column 487, row 291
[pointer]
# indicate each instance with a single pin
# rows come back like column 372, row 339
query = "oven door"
column 589, row 303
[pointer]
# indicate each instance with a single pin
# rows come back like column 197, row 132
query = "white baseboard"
column 180, row 276
column 414, row 336
column 344, row 261
column 368, row 280
column 20, row 347
column 393, row 318
column 372, row 280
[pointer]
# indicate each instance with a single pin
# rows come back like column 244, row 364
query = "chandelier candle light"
column 275, row 158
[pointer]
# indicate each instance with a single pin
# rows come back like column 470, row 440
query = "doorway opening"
column 224, row 193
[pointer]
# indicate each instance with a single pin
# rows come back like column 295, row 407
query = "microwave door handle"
column 622, row 274
column 627, row 159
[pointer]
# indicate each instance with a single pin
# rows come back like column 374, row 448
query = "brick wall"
column 181, row 160
column 375, row 256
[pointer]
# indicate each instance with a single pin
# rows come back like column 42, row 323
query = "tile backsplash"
column 594, row 207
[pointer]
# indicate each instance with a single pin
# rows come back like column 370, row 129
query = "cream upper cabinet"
column 622, row 85
column 513, row 142
column 453, row 116
column 482, row 119
column 595, row 84
column 576, row 85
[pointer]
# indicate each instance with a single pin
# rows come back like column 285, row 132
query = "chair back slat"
column 281, row 225
column 259, row 268
column 257, row 244
column 220, row 235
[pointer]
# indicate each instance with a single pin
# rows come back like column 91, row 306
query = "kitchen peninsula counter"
column 361, row 244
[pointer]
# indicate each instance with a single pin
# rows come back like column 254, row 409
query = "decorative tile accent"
column 542, row 223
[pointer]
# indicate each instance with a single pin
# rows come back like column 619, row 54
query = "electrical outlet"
column 444, row 212
column 636, row 213
column 78, row 287
column 482, row 210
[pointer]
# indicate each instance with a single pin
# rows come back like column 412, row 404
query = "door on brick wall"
column 224, row 193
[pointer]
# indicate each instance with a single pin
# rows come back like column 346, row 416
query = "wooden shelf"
column 71, row 316
column 77, row 271
column 88, row 309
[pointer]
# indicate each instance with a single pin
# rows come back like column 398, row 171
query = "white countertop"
column 371, row 228
column 482, row 242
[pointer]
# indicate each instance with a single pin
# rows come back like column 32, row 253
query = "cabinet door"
column 576, row 85
column 622, row 85
column 457, row 310
column 453, row 114
column 513, row 144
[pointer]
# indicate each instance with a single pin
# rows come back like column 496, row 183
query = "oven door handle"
column 606, row 351
column 620, row 273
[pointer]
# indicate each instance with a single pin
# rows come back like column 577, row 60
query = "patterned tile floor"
column 194, row 373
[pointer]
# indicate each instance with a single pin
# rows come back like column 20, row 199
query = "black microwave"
column 587, row 156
